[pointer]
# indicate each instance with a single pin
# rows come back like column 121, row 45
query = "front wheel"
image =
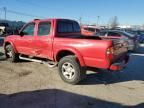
column 10, row 54
column 70, row 70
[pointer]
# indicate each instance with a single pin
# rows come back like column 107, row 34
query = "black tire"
column 79, row 72
column 14, row 57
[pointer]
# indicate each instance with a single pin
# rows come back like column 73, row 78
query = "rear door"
column 43, row 40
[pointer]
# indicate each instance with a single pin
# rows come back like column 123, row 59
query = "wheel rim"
column 9, row 53
column 68, row 70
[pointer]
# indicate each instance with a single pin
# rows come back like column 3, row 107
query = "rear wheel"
column 10, row 54
column 70, row 70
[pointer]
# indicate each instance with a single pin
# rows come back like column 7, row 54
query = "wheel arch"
column 65, row 52
column 10, row 43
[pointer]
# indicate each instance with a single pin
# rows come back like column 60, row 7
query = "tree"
column 113, row 23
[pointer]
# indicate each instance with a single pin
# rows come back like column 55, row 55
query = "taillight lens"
column 110, row 52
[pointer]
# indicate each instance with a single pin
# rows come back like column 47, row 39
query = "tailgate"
column 120, row 48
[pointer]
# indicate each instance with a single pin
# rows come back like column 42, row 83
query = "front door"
column 24, row 44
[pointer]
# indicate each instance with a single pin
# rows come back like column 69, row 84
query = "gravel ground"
column 34, row 85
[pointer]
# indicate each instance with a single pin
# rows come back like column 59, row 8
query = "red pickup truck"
column 60, row 42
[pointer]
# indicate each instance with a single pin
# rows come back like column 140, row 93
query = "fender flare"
column 76, row 52
column 11, row 43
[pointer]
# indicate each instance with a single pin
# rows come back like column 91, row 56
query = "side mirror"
column 21, row 34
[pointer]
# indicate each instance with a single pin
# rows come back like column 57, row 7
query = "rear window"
column 68, row 27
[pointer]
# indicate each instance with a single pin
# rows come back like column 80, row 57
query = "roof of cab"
column 51, row 19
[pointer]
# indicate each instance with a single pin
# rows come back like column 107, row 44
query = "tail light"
column 110, row 53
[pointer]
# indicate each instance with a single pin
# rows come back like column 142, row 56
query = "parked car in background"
column 9, row 27
column 59, row 42
column 89, row 30
column 3, row 27
column 117, row 34
column 139, row 34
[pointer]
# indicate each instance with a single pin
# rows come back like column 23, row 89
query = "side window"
column 29, row 29
column 113, row 34
column 44, row 28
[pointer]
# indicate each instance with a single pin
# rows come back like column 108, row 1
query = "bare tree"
column 113, row 23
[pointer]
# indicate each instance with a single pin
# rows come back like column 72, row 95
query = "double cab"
column 59, row 42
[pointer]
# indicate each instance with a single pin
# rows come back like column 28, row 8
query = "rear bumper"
column 120, row 64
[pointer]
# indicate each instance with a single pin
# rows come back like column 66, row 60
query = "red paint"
column 90, row 52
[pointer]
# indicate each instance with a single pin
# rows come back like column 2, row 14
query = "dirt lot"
column 33, row 85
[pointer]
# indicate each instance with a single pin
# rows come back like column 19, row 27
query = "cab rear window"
column 68, row 27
